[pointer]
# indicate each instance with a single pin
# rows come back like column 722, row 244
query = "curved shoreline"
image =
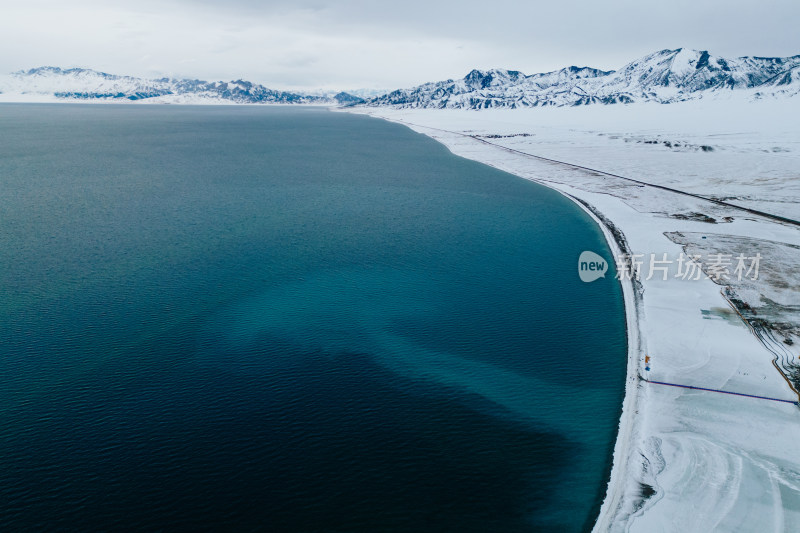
column 628, row 426
column 654, row 479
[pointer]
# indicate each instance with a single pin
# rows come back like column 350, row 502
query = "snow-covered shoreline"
column 684, row 460
column 627, row 424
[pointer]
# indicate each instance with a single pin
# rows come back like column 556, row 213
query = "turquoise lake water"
column 289, row 319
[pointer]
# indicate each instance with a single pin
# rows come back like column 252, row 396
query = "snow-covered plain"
column 685, row 460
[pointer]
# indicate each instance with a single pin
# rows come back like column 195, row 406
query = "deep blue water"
column 282, row 319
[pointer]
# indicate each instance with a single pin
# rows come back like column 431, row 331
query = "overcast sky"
column 349, row 44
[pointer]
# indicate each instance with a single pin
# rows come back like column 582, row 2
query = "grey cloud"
column 350, row 43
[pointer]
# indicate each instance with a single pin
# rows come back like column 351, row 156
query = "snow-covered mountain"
column 665, row 76
column 86, row 84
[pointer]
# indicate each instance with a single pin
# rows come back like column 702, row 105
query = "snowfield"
column 685, row 459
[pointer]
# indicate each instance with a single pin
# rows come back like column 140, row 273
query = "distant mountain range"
column 87, row 84
column 665, row 77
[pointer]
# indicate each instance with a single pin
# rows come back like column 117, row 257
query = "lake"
column 291, row 319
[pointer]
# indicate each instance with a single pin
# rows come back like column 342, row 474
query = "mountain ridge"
column 88, row 84
column 665, row 76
